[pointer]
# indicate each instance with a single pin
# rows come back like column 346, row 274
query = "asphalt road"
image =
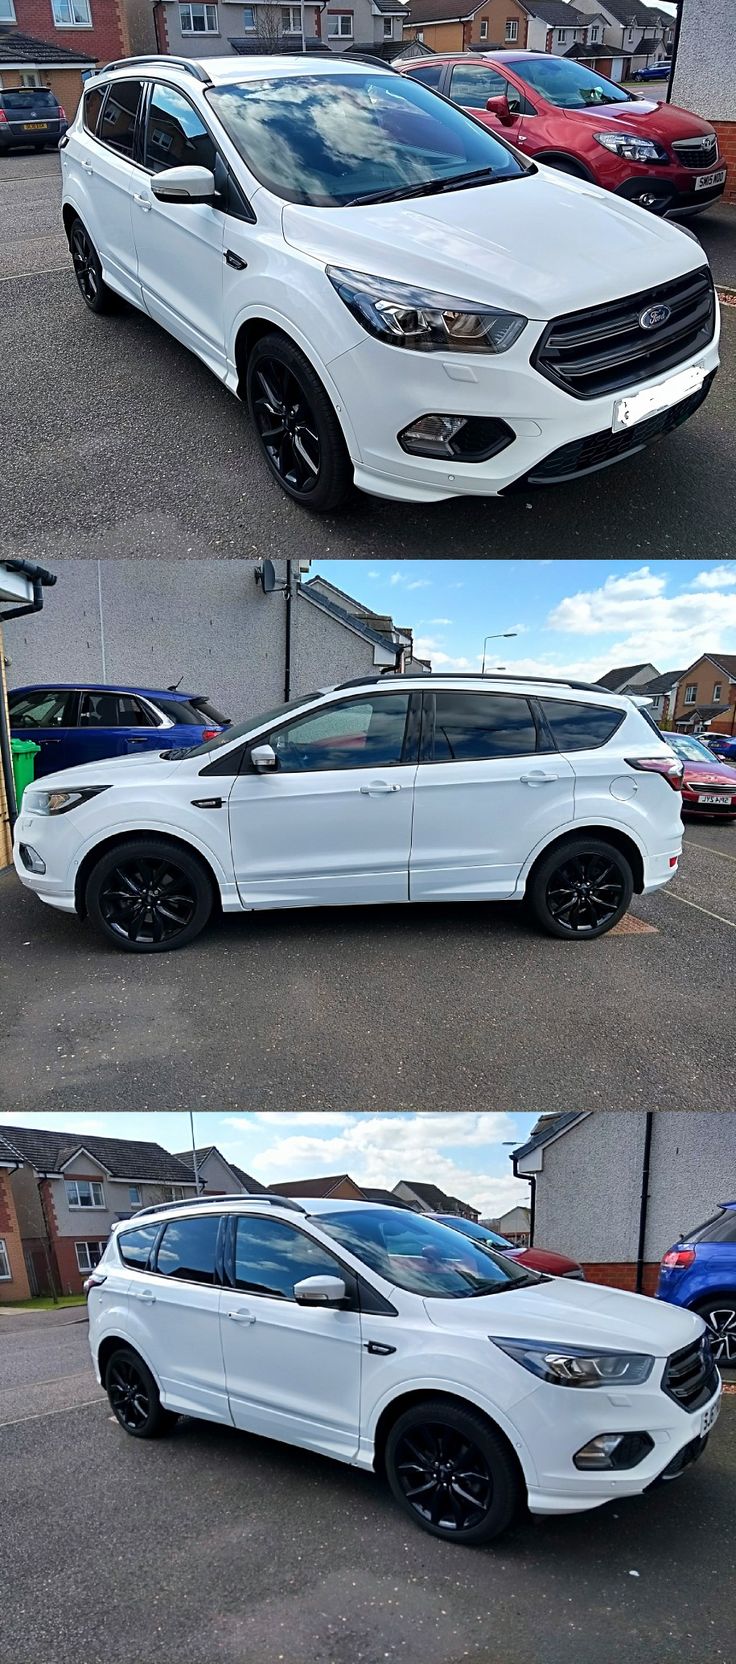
column 424, row 1007
column 121, row 443
column 212, row 1544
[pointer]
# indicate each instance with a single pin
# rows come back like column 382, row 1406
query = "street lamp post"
column 498, row 635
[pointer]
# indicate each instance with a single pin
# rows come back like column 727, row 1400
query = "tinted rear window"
column 470, row 726
column 720, row 1229
column 92, row 106
column 118, row 121
column 578, row 727
column 184, row 710
column 135, row 1246
column 187, row 1249
column 31, row 98
column 429, row 74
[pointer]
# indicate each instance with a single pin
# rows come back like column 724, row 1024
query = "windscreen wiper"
column 429, row 187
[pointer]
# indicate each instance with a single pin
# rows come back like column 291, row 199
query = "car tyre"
column 134, row 1396
column 581, row 889
column 720, row 1315
column 564, row 166
column 88, row 270
column 297, row 426
column 149, row 895
column 481, row 1491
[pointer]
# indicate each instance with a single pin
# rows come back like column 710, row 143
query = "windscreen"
column 568, row 85
column 690, row 749
column 422, row 1256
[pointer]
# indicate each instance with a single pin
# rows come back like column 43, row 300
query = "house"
column 448, row 28
column 428, row 1198
column 337, row 1185
column 146, row 624
column 69, row 1191
column 630, row 35
column 704, row 73
column 216, row 1175
column 706, row 695
column 555, row 26
column 615, row 1190
column 204, row 30
column 50, row 43
column 662, row 690
column 515, row 1224
column 627, row 678
column 386, row 1198
column 14, row 1283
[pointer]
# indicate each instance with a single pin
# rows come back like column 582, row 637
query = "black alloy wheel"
column 128, row 1393
column 581, row 889
column 720, row 1316
column 297, row 426
column 88, row 270
column 452, row 1472
column 149, row 895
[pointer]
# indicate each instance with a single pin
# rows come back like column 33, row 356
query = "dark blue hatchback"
column 79, row 722
column 700, row 1273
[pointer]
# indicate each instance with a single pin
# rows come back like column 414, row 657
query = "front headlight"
column 577, row 1366
column 632, row 148
column 38, row 802
column 418, row 318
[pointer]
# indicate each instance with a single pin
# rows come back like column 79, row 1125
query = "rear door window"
column 469, row 727
column 187, row 1249
column 117, row 125
column 429, row 74
column 578, row 727
column 113, row 710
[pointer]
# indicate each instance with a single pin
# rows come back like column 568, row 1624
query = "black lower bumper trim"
column 684, row 1459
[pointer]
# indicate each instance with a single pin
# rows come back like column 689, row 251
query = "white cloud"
column 283, row 1118
column 716, row 577
column 420, row 583
column 76, row 1124
column 646, row 624
column 435, row 621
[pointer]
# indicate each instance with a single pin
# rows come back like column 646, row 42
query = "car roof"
column 306, row 1207
column 232, row 71
column 105, row 687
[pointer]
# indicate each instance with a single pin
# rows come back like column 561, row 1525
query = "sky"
column 571, row 617
column 466, row 1155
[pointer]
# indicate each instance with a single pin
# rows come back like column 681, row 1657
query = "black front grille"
column 696, row 153
column 605, row 348
column 691, row 1376
column 599, row 450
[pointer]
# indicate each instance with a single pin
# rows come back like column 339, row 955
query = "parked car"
column 350, row 1329
column 538, row 1259
column 417, row 309
column 385, row 789
column 722, row 745
column 700, row 1273
column 30, row 117
column 653, row 72
column 708, row 786
column 570, row 117
column 76, row 723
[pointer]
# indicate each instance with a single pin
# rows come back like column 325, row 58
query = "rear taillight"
column 3, row 116
column 62, row 113
column 95, row 1281
column 678, row 1259
column 210, row 733
column 670, row 768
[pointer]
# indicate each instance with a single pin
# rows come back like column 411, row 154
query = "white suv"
column 387, row 789
column 386, row 1340
column 402, row 298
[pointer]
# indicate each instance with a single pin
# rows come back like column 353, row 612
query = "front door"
column 46, row 716
column 485, row 795
column 331, row 825
column 293, row 1372
column 180, row 245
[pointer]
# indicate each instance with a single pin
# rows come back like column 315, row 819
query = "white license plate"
column 627, row 412
column 705, row 798
column 710, row 1417
column 705, row 179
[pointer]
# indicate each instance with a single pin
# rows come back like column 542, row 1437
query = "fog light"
column 31, row 858
column 431, row 435
column 613, row 1450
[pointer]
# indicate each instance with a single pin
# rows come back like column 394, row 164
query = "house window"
column 134, row 1195
column 717, row 693
column 71, row 14
column 594, row 31
column 88, row 1254
column 512, row 28
column 691, row 693
column 7, row 11
column 484, row 28
column 198, row 20
column 28, row 77
column 177, row 1193
column 388, row 28
column 84, row 1193
column 340, row 25
column 5, row 1271
column 561, row 35
column 249, row 20
column 291, row 23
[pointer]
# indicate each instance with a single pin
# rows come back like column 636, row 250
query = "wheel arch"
column 719, row 1293
column 454, row 1400
column 551, row 159
column 252, row 329
column 141, row 835
column 113, row 1343
column 622, row 841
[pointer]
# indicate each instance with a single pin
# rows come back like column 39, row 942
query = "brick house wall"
column 705, row 676
column 442, row 37
column 497, row 13
column 16, row 1287
column 65, row 84
column 106, row 37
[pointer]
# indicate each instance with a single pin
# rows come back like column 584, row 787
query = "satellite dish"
column 268, row 577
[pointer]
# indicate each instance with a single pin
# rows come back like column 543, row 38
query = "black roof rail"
column 214, row 1196
column 188, row 64
column 472, row 676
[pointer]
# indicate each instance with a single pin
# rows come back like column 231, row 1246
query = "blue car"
column 653, row 72
column 80, row 722
column 700, row 1273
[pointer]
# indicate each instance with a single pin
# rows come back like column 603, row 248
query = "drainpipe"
column 644, row 1204
column 532, row 1206
column 289, row 592
column 675, row 48
column 47, row 1243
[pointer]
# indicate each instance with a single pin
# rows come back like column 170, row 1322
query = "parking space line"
column 66, row 1409
column 699, row 909
column 690, row 844
column 48, row 271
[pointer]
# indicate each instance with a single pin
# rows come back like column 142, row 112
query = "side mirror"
column 186, row 184
column 320, row 1291
column 499, row 107
column 263, row 759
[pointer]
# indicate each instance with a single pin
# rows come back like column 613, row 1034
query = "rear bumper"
column 12, row 138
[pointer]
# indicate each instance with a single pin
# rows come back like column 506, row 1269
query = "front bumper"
column 57, row 841
column 673, row 188
column 383, row 389
column 692, row 804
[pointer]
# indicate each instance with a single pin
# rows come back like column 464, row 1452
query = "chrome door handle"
column 378, row 788
column 538, row 778
column 242, row 1317
column 144, row 202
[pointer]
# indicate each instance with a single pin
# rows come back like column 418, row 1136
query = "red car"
column 708, row 787
column 537, row 1259
column 561, row 113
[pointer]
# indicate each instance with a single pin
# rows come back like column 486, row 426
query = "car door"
column 471, row 85
column 486, row 794
column 109, row 175
column 180, row 245
column 116, row 725
column 332, row 823
column 176, row 1305
column 293, row 1372
column 47, row 716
